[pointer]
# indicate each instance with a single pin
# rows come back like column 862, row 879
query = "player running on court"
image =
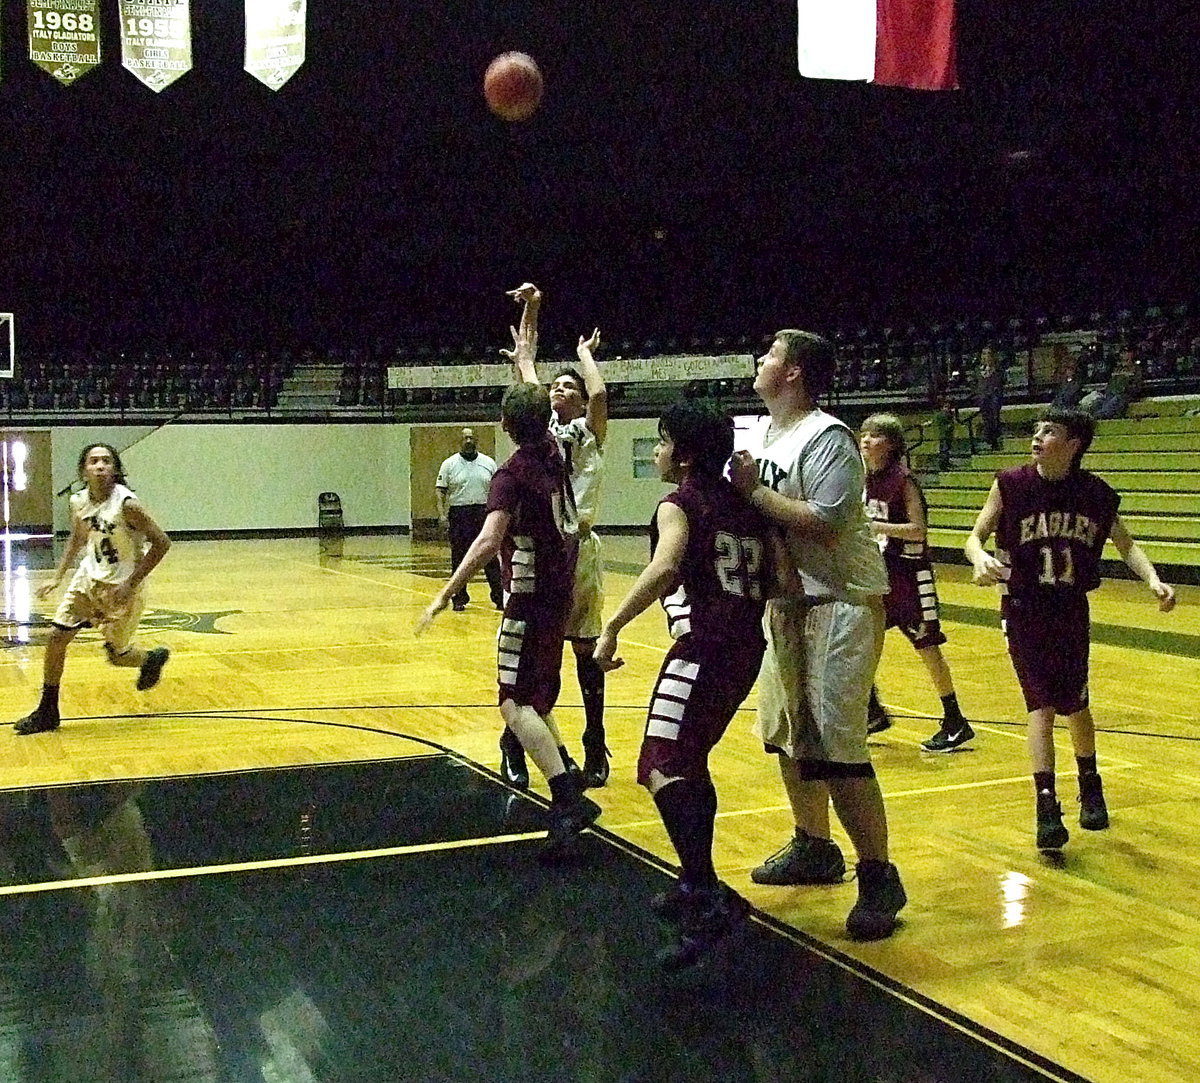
column 121, row 545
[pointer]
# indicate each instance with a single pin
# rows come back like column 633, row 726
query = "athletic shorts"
column 586, row 619
column 911, row 604
column 816, row 680
column 1048, row 644
column 87, row 603
column 529, row 660
column 694, row 700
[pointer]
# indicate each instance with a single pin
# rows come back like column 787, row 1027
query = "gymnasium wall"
column 215, row 477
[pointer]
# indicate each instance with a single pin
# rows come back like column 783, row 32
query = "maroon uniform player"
column 711, row 556
column 896, row 509
column 531, row 523
column 1051, row 519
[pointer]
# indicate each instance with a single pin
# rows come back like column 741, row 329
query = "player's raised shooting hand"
column 527, row 292
column 606, row 649
column 516, row 347
column 589, row 344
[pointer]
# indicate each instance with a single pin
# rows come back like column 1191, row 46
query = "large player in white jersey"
column 805, row 473
column 121, row 544
column 579, row 401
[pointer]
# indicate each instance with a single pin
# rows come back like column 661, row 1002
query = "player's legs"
column 955, row 730
column 1051, row 833
column 591, row 689
column 583, row 628
column 461, row 536
column 535, row 737
column 1093, row 811
column 118, row 628
column 45, row 715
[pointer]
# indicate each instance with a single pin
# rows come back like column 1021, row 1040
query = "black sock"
column 1043, row 782
column 1087, row 764
column 951, row 712
column 566, row 756
column 564, row 790
column 49, row 700
column 688, row 808
column 591, row 687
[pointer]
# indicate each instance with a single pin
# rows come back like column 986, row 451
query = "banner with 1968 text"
column 64, row 37
column 156, row 40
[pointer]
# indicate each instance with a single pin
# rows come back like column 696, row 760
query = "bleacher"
column 1152, row 458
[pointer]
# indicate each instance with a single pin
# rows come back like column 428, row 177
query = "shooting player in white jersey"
column 579, row 401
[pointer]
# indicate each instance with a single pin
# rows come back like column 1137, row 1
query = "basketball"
column 513, row 86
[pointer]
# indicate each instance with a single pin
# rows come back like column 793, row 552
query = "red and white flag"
column 908, row 43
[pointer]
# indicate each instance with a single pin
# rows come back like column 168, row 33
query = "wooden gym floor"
column 298, row 653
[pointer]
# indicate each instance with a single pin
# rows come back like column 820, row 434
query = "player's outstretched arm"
column 593, row 382
column 1141, row 565
column 483, row 549
column 656, row 578
column 986, row 568
column 523, row 355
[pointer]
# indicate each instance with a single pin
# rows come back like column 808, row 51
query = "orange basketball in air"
column 512, row 86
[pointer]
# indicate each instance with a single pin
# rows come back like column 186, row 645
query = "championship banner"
column 64, row 37
column 156, row 41
column 275, row 33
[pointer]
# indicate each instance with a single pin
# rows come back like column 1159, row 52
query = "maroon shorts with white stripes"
column 696, row 695
column 529, row 652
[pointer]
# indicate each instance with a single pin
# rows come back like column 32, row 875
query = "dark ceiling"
column 679, row 178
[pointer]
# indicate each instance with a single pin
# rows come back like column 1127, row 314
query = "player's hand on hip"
column 46, row 589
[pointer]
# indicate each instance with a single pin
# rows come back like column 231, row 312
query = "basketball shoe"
column 804, row 860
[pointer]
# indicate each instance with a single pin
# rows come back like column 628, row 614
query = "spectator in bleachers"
column 1068, row 374
column 989, row 394
column 1124, row 387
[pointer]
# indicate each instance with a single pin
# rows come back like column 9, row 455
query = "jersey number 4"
column 739, row 565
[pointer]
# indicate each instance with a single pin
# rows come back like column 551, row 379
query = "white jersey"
column 585, row 465
column 816, row 459
column 113, row 546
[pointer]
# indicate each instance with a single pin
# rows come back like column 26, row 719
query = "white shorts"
column 816, row 678
column 586, row 619
column 87, row 602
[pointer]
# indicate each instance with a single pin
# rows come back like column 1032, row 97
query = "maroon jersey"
column 722, row 581
column 883, row 497
column 538, row 551
column 1051, row 533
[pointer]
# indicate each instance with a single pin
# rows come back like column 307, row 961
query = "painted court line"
column 270, row 863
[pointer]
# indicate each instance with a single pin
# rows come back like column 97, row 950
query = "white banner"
column 156, row 41
column 634, row 370
column 275, row 39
